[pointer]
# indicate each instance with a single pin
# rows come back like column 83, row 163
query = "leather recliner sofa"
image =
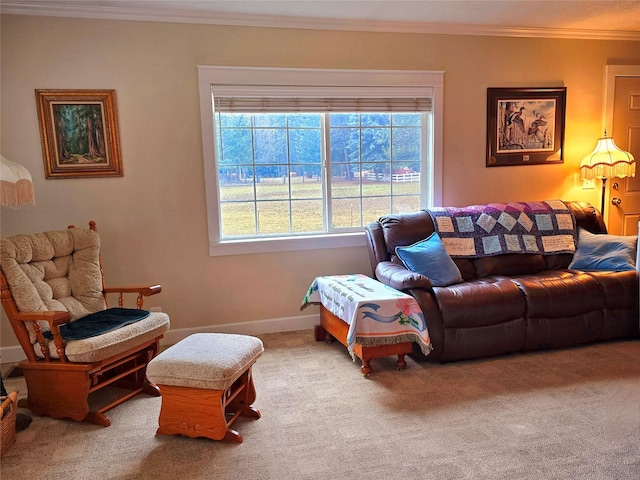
column 511, row 302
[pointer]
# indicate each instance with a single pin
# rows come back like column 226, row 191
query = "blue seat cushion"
column 98, row 323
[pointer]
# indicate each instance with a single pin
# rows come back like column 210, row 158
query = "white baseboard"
column 274, row 325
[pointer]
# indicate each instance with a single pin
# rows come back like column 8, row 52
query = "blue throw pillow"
column 614, row 253
column 429, row 258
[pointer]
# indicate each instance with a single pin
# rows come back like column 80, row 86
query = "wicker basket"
column 8, row 427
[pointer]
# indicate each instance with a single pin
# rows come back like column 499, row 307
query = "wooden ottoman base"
column 197, row 412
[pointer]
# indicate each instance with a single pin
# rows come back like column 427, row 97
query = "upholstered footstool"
column 206, row 384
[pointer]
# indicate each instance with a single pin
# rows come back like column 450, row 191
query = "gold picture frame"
column 79, row 133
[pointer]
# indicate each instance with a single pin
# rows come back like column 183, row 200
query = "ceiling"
column 608, row 19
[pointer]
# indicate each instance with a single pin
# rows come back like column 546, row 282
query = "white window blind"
column 316, row 105
column 314, row 99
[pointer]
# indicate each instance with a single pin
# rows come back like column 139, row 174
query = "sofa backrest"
column 391, row 231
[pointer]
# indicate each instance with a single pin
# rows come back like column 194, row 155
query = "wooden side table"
column 371, row 319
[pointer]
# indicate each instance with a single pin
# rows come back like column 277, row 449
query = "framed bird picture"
column 525, row 126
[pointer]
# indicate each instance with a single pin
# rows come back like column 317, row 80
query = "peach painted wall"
column 153, row 220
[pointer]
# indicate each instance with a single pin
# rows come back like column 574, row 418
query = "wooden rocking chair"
column 50, row 279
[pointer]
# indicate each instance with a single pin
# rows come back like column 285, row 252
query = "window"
column 298, row 159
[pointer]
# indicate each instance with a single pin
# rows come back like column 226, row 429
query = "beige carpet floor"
column 563, row 414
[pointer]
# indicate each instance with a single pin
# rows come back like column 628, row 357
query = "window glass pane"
column 405, row 177
column 305, row 146
column 309, row 120
column 309, row 171
column 306, row 216
column 344, row 119
column 376, row 171
column 236, row 183
column 345, row 144
column 376, row 119
column 270, row 145
column 375, row 188
column 272, row 182
column 405, row 167
column 401, row 187
column 346, row 212
column 235, row 147
column 407, row 119
column 344, row 181
column 406, row 143
column 234, row 120
column 308, row 187
column 376, row 144
column 344, row 172
column 238, row 219
column 273, row 217
column 373, row 208
column 270, row 120
column 406, row 204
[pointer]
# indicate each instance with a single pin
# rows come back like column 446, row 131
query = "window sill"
column 270, row 245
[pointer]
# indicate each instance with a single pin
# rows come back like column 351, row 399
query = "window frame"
column 253, row 78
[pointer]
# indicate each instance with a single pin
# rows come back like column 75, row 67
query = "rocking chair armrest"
column 54, row 317
column 144, row 291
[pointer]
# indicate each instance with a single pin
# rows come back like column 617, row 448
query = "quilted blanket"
column 545, row 228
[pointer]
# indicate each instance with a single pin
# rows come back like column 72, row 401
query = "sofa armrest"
column 400, row 278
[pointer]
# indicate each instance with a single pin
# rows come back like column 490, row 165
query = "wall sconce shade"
column 16, row 186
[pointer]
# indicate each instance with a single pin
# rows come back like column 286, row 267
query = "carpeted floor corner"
column 559, row 414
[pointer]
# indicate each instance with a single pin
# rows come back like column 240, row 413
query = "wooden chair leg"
column 232, row 436
column 98, row 418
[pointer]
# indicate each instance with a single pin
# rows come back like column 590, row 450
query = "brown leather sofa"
column 508, row 303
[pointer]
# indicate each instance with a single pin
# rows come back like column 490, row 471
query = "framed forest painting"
column 79, row 133
column 525, row 126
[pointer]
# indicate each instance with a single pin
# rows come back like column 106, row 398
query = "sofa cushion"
column 477, row 303
column 429, row 258
column 509, row 264
column 560, row 293
column 620, row 311
column 614, row 253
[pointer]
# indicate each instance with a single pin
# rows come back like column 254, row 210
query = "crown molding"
column 184, row 16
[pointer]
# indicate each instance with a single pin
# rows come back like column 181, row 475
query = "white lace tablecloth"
column 376, row 313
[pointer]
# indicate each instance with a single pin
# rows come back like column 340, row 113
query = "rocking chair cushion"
column 98, row 323
column 56, row 270
column 95, row 349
